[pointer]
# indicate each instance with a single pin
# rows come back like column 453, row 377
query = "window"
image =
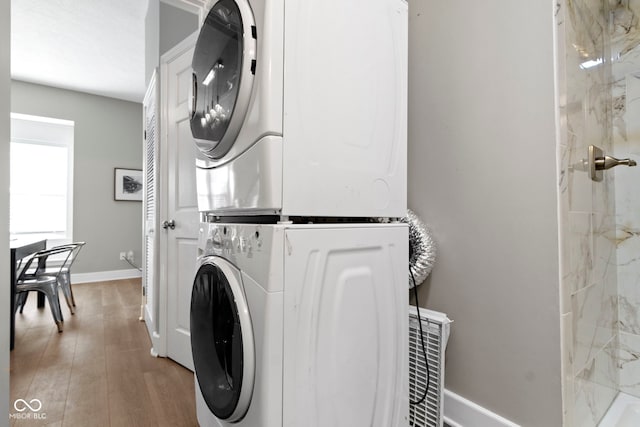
column 41, row 192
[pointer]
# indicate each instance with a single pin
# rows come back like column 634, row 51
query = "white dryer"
column 299, row 108
column 301, row 325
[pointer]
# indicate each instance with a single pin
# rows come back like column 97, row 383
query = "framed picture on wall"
column 127, row 184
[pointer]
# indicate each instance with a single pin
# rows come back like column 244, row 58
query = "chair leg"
column 67, row 277
column 54, row 305
column 73, row 299
column 21, row 300
column 63, row 281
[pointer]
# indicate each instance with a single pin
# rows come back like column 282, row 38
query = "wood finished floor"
column 98, row 372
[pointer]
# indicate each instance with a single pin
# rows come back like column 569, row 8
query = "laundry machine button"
column 235, row 242
column 216, row 240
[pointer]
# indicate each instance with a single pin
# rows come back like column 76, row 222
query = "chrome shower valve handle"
column 608, row 162
column 598, row 162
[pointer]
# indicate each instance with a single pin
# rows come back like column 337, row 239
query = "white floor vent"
column 435, row 329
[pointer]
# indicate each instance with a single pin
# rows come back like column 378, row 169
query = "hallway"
column 98, row 372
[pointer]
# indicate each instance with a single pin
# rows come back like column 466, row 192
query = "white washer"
column 299, row 108
column 301, row 325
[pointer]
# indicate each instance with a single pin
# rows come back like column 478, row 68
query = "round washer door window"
column 222, row 340
column 223, row 67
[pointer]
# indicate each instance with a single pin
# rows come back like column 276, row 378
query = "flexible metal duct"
column 422, row 248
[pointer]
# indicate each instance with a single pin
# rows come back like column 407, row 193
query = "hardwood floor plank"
column 99, row 371
column 87, row 398
column 168, row 398
column 50, row 385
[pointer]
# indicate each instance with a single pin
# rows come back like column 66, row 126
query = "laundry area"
column 298, row 311
column 287, row 203
column 278, row 255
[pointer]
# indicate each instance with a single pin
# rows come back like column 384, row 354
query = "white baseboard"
column 461, row 412
column 103, row 276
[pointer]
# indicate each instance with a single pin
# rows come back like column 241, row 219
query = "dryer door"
column 223, row 65
column 222, row 339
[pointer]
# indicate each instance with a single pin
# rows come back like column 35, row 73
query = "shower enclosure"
column 598, row 103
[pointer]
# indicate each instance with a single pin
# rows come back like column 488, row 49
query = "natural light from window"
column 41, row 192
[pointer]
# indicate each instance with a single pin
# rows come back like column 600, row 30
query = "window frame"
column 32, row 134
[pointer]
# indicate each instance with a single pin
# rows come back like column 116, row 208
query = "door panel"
column 185, row 175
column 346, row 324
column 186, row 253
column 180, row 203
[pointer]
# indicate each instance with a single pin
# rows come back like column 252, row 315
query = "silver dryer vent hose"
column 422, row 248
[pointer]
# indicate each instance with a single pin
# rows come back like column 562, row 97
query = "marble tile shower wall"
column 587, row 215
column 625, row 50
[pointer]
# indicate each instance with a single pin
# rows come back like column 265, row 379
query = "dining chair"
column 31, row 278
column 64, row 276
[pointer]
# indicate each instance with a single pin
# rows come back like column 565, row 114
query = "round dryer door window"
column 224, row 62
column 222, row 339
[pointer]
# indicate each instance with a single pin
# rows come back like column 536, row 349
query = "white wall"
column 108, row 134
column 5, row 97
column 482, row 174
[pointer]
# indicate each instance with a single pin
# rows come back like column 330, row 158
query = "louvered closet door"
column 150, row 279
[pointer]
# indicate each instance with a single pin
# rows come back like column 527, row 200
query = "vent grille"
column 150, row 191
column 150, row 169
column 435, row 328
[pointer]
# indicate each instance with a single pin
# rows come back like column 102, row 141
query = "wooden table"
column 20, row 248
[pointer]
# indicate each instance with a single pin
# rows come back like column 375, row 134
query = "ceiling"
column 94, row 46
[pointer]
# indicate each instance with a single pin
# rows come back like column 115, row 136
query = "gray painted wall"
column 482, row 173
column 108, row 134
column 5, row 96
column 175, row 25
column 151, row 39
column 165, row 27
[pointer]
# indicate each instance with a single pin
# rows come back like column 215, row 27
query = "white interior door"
column 181, row 208
column 150, row 278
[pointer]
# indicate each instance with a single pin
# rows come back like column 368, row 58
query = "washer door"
column 224, row 62
column 222, row 339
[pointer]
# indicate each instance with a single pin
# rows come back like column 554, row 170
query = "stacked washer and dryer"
column 299, row 304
